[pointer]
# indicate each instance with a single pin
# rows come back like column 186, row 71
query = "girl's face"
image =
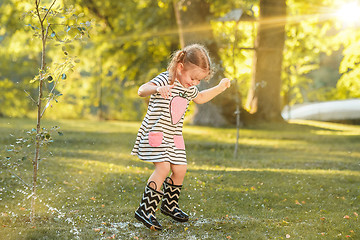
column 190, row 74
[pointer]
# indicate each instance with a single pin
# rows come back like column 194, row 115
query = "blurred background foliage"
column 130, row 43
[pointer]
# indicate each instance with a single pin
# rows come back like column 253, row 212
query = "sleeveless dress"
column 159, row 138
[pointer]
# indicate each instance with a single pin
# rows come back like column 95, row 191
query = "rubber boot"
column 146, row 211
column 170, row 202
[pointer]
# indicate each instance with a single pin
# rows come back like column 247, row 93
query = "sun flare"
column 349, row 13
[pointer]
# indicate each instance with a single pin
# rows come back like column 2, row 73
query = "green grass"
column 298, row 181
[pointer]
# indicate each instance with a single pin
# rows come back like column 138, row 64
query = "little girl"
column 160, row 139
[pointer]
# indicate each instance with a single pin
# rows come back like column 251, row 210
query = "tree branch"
column 55, row 33
column 49, row 99
column 49, row 10
column 30, row 96
column 15, row 175
column 37, row 3
column 47, row 32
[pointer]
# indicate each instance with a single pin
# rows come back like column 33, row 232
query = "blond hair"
column 196, row 54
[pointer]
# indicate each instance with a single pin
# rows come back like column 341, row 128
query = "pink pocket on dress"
column 155, row 138
column 179, row 142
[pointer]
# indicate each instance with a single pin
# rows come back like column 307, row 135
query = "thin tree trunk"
column 35, row 162
column 44, row 33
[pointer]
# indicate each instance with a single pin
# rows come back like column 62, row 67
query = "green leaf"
column 34, row 79
column 33, row 28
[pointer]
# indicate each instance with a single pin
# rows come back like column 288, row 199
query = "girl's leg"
column 152, row 196
column 178, row 173
column 161, row 171
column 172, row 190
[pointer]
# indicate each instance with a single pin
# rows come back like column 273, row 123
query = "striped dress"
column 160, row 136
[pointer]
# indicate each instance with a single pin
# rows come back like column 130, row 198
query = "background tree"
column 349, row 84
column 312, row 53
column 197, row 19
column 196, row 28
column 264, row 94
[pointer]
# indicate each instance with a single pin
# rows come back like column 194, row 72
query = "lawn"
column 289, row 181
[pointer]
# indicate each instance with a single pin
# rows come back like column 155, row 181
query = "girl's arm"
column 150, row 88
column 208, row 94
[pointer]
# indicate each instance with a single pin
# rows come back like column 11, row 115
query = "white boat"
column 324, row 111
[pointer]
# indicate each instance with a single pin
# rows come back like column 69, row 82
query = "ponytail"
column 177, row 57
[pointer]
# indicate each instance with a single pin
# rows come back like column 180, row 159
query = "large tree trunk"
column 194, row 17
column 264, row 96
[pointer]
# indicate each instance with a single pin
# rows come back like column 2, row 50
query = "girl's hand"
column 165, row 91
column 224, row 84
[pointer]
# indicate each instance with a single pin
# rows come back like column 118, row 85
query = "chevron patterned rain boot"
column 170, row 203
column 146, row 211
